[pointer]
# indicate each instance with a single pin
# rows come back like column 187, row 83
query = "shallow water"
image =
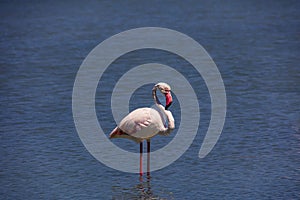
column 255, row 46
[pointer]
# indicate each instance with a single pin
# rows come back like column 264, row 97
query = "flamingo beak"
column 169, row 99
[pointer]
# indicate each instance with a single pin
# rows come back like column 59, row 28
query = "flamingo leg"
column 148, row 158
column 141, row 158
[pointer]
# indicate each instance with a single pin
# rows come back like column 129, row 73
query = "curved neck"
column 156, row 100
column 170, row 118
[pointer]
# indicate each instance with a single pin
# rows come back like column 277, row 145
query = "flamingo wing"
column 142, row 123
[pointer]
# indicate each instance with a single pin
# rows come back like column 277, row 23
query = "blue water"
column 256, row 46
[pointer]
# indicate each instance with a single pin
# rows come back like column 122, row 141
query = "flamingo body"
column 143, row 123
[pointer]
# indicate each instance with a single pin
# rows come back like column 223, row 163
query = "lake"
column 256, row 47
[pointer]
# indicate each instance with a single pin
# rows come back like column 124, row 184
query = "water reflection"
column 141, row 190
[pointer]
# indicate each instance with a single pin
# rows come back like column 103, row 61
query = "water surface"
column 255, row 46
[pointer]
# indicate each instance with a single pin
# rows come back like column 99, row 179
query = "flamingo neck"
column 170, row 119
column 157, row 102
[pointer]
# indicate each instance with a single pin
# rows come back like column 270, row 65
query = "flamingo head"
column 166, row 90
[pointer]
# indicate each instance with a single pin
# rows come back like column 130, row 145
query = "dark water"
column 256, row 46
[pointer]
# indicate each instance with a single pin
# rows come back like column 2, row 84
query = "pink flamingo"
column 144, row 123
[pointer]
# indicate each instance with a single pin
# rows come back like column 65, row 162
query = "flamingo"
column 144, row 123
